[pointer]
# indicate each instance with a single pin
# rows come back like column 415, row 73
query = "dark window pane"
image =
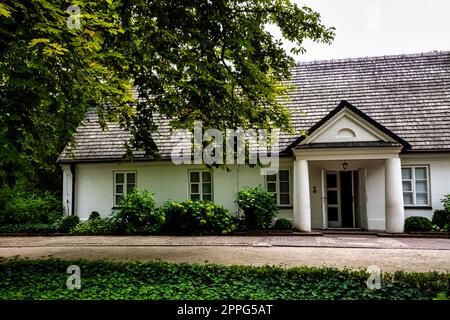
column 207, row 197
column 421, row 173
column 284, row 175
column 421, row 198
column 284, row 198
column 120, row 177
column 119, row 188
column 195, row 197
column 206, row 176
column 421, row 186
column 194, row 188
column 131, row 178
column 332, row 197
column 331, row 180
column 271, row 177
column 206, row 187
column 118, row 200
column 272, row 187
column 130, row 187
column 407, row 186
column 284, row 186
column 332, row 214
column 407, row 198
column 406, row 173
column 195, row 177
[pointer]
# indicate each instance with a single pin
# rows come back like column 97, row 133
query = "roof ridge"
column 378, row 57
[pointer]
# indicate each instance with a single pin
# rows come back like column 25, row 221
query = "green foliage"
column 137, row 213
column 46, row 279
column 96, row 226
column 20, row 206
column 283, row 224
column 28, row 228
column 197, row 217
column 446, row 202
column 66, row 224
column 259, row 207
column 211, row 61
column 441, row 219
column 94, row 215
column 50, row 75
column 191, row 60
column 418, row 224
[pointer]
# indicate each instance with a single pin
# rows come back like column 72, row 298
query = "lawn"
column 47, row 279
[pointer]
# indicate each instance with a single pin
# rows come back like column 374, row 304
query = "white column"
column 67, row 189
column 394, row 210
column 302, row 205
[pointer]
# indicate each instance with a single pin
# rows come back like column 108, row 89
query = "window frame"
column 125, row 183
column 277, row 187
column 200, row 185
column 413, row 186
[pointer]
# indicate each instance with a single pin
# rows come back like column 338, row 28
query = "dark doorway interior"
column 347, row 199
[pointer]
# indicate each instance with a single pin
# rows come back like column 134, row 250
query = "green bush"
column 96, row 226
column 28, row 228
column 441, row 219
column 102, row 280
column 94, row 215
column 259, row 207
column 137, row 213
column 22, row 206
column 66, row 224
column 283, row 224
column 446, row 202
column 197, row 217
column 418, row 224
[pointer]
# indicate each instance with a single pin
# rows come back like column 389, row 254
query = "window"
column 200, row 185
column 124, row 183
column 416, row 190
column 279, row 184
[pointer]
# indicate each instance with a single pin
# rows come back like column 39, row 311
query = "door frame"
column 361, row 195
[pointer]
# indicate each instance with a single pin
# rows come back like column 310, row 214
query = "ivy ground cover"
column 49, row 279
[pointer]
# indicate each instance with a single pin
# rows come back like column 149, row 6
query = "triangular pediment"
column 347, row 124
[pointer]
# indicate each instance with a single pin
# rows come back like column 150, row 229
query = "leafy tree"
column 209, row 60
column 212, row 61
column 50, row 75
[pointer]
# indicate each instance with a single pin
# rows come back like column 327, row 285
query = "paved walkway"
column 410, row 254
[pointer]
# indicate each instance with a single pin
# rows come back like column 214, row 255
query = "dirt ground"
column 386, row 259
column 388, row 254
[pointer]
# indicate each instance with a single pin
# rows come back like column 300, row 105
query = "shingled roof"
column 407, row 94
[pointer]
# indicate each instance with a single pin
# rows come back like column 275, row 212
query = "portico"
column 340, row 169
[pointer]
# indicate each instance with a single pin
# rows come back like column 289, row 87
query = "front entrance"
column 342, row 191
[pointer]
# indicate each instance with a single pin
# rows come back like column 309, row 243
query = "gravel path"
column 390, row 254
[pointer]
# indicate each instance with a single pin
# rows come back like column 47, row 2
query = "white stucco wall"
column 95, row 189
column 94, row 184
column 439, row 168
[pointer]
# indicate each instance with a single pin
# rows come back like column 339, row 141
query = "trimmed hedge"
column 283, row 224
column 96, row 226
column 46, row 279
column 28, row 228
column 418, row 224
column 197, row 217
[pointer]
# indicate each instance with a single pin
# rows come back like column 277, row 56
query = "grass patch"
column 46, row 279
